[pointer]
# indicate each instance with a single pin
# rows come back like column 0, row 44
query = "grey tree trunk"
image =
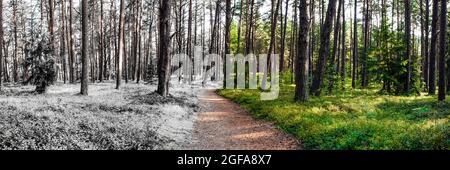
column 72, row 58
column 164, row 46
column 1, row 43
column 63, row 40
column 119, row 57
column 84, row 57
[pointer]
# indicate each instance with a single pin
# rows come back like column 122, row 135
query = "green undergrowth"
column 355, row 120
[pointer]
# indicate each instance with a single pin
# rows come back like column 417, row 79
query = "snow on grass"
column 131, row 118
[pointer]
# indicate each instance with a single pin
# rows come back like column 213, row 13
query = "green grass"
column 355, row 120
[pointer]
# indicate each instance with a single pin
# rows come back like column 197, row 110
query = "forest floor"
column 130, row 118
column 354, row 119
column 133, row 117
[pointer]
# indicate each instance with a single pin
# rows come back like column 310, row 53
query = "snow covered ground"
column 131, row 118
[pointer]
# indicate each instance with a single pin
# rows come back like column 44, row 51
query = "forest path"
column 223, row 125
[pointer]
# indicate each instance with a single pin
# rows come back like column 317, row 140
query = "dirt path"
column 223, row 125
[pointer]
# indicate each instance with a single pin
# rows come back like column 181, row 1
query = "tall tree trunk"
column 84, row 57
column 301, row 64
column 442, row 48
column 434, row 21
column 332, row 65
column 119, row 57
column 63, row 40
column 364, row 81
column 313, row 39
column 50, row 25
column 189, row 43
column 343, row 48
column 422, row 44
column 101, row 45
column 15, row 57
column 249, row 26
column 355, row 46
column 427, row 41
column 239, row 27
column 72, row 58
column 164, row 46
column 324, row 49
column 1, row 43
column 408, row 44
column 283, row 37
column 139, row 40
column 227, row 36
column 273, row 29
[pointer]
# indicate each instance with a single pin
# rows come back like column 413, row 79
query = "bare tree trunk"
column 283, row 37
column 84, row 57
column 121, row 45
column 138, row 41
column 72, row 58
column 189, row 43
column 408, row 44
column 312, row 42
column 1, row 43
column 239, row 27
column 228, row 19
column 164, row 46
column 427, row 40
column 63, row 40
column 332, row 63
column 355, row 47
column 343, row 48
column 364, row 81
column 301, row 64
column 275, row 9
column 422, row 44
column 248, row 38
column 442, row 45
column 324, row 49
column 101, row 45
column 434, row 34
column 15, row 62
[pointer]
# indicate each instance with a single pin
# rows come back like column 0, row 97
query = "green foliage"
column 43, row 66
column 360, row 119
column 387, row 62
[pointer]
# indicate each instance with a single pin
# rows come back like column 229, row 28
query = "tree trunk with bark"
column 164, row 46
column 442, row 49
column 84, row 57
column 434, row 34
column 316, row 87
column 301, row 64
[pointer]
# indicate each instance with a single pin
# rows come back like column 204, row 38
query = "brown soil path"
column 223, row 125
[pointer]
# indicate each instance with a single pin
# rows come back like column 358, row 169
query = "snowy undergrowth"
column 130, row 118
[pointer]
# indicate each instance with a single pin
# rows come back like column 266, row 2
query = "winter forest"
column 103, row 74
